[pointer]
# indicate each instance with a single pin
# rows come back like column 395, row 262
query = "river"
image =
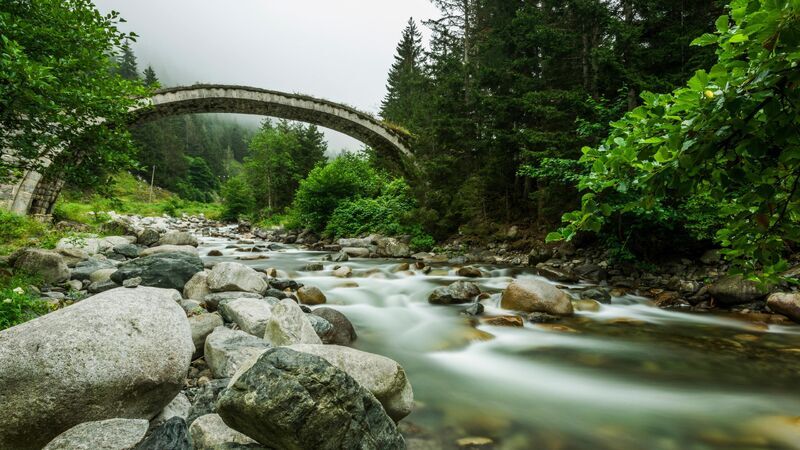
column 626, row 376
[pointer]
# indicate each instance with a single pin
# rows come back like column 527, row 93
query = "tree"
column 719, row 156
column 56, row 80
column 150, row 78
column 128, row 67
column 238, row 198
column 406, row 80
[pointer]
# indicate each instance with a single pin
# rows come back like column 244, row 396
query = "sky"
column 339, row 50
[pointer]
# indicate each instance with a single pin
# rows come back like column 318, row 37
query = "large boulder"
column 356, row 252
column 148, row 237
column 735, row 290
column 294, row 401
column 226, row 350
column 178, row 238
column 366, row 242
column 289, row 325
column 343, row 331
column 212, row 301
column 111, row 434
column 393, row 248
column 123, row 353
column 787, row 304
column 231, row 276
column 250, row 314
column 202, row 325
column 48, row 265
column 383, row 377
column 458, row 292
column 209, row 432
column 169, row 249
column 536, row 296
column 197, row 287
column 165, row 270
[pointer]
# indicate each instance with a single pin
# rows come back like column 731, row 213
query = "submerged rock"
column 123, row 353
column 536, row 296
column 458, row 292
column 292, row 400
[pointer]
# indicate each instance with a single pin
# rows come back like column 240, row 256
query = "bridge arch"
column 36, row 195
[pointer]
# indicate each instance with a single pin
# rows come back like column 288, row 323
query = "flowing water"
column 627, row 376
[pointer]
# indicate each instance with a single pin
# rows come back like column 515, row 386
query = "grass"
column 22, row 231
column 128, row 195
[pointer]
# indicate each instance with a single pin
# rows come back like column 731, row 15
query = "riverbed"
column 624, row 375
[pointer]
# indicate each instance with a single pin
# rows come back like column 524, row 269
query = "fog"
column 338, row 50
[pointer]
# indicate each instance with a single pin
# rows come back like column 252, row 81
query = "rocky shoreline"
column 151, row 348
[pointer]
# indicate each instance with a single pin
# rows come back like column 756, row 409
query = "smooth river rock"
column 209, row 432
column 343, row 331
column 536, row 296
column 197, row 287
column 231, row 276
column 787, row 304
column 123, row 353
column 458, row 292
column 202, row 325
column 383, row 377
column 111, row 434
column 250, row 314
column 178, row 238
column 735, row 290
column 296, row 401
column 289, row 325
column 169, row 249
column 226, row 350
column 311, row 295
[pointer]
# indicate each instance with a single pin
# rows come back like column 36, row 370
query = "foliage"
column 348, row 177
column 54, row 58
column 388, row 213
column 237, row 199
column 726, row 146
column 19, row 303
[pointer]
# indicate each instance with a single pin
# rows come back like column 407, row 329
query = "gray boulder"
column 393, row 248
column 231, row 276
column 322, row 327
column 343, row 331
column 69, row 367
column 209, row 432
column 735, row 290
column 250, row 314
column 289, row 325
column 48, row 265
column 127, row 250
column 226, row 350
column 178, row 407
column 383, row 377
column 111, row 434
column 532, row 295
column 294, row 401
column 356, row 252
column 202, row 325
column 166, row 270
column 197, row 287
column 84, row 269
column 458, row 292
column 178, row 238
column 148, row 237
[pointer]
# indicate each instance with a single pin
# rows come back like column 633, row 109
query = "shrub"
column 18, row 303
column 348, row 177
column 237, row 198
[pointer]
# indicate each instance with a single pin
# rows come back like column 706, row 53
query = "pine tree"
column 406, row 79
column 128, row 68
column 150, row 78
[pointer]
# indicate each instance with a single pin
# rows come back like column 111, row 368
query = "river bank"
column 488, row 369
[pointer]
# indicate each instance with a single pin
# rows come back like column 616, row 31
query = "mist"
column 340, row 51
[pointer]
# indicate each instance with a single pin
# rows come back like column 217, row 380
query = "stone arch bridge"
column 35, row 194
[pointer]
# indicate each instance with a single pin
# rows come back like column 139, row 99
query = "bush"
column 386, row 214
column 18, row 303
column 348, row 177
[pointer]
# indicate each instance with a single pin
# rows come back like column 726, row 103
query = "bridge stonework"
column 33, row 194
